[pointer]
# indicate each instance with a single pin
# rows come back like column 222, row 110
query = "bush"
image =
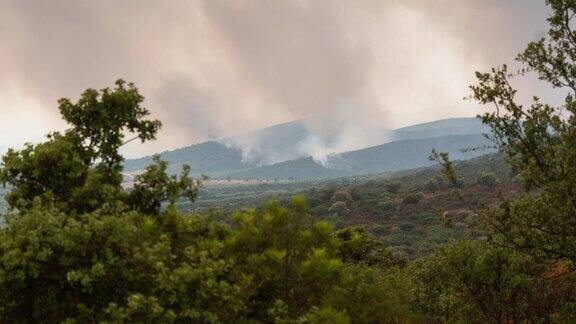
column 406, row 227
column 475, row 282
column 424, row 218
column 488, row 179
column 119, row 267
column 386, row 202
column 393, row 186
column 320, row 210
column 274, row 265
column 413, row 198
column 339, row 208
column 380, row 230
column 359, row 246
column 432, row 184
column 342, row 195
column 288, row 259
column 372, row 295
column 387, row 205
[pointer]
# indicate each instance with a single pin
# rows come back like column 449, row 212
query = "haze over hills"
column 299, row 169
column 317, row 137
column 277, row 143
column 284, row 151
column 205, row 158
column 442, row 127
column 407, row 154
column 389, row 157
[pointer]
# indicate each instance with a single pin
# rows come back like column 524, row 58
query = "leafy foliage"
column 115, row 267
column 487, row 179
column 273, row 265
column 538, row 141
column 413, row 198
column 77, row 247
column 292, row 260
column 80, row 171
column 154, row 186
column 473, row 282
column 432, row 184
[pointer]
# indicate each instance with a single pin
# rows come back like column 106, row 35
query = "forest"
column 490, row 240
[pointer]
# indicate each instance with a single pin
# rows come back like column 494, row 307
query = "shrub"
column 342, row 195
column 275, row 265
column 413, row 198
column 406, row 227
column 474, row 282
column 387, row 205
column 372, row 295
column 424, row 218
column 432, row 184
column 359, row 246
column 380, row 230
column 339, row 208
column 288, row 259
column 118, row 267
column 386, row 202
column 393, row 186
column 487, row 179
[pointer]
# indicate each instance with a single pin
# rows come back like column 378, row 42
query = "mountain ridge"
column 408, row 147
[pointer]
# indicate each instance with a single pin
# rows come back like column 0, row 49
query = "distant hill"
column 300, row 169
column 272, row 144
column 443, row 127
column 262, row 152
column 406, row 154
column 389, row 157
column 204, row 158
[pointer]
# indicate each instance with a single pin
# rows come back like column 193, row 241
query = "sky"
column 215, row 68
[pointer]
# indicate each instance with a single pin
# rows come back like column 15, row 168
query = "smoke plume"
column 217, row 68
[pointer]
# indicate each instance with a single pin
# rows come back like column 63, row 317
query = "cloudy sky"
column 213, row 68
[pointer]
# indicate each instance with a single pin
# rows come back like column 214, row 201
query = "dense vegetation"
column 76, row 246
column 402, row 209
column 383, row 204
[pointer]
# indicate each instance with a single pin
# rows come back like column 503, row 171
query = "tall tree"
column 539, row 141
column 80, row 170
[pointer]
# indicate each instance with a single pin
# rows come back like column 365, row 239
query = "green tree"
column 393, row 187
column 369, row 294
column 474, row 282
column 487, row 179
column 359, row 246
column 432, row 184
column 339, row 208
column 292, row 259
column 77, row 247
column 115, row 267
column 413, row 198
column 342, row 195
column 99, row 120
column 154, row 186
column 79, row 171
column 538, row 141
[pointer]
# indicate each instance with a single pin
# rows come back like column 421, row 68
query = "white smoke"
column 215, row 68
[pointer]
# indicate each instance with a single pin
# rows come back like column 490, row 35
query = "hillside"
column 406, row 154
column 300, row 169
column 205, row 158
column 442, row 127
column 276, row 152
column 401, row 208
column 404, row 217
column 277, row 143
